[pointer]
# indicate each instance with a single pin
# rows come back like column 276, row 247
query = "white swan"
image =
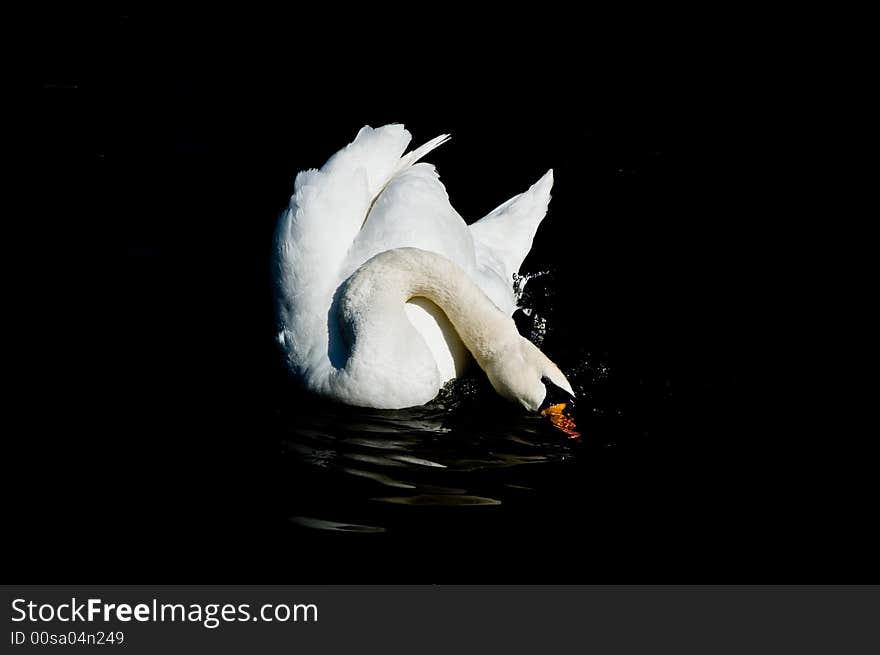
column 383, row 290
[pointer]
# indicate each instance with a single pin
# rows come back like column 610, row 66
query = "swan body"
column 384, row 293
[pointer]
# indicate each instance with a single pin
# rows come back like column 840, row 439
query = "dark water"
column 382, row 464
column 451, row 453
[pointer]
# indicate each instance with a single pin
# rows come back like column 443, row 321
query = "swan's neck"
column 389, row 365
column 374, row 296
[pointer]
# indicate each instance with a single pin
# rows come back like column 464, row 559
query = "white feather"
column 368, row 198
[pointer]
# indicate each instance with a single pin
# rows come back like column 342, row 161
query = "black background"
column 164, row 149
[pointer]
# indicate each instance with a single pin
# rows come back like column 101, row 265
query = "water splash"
column 537, row 325
column 521, row 279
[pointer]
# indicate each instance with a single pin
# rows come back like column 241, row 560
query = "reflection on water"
column 464, row 450
column 333, row 525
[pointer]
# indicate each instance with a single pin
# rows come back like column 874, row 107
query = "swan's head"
column 518, row 374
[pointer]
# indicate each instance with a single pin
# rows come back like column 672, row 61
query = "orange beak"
column 561, row 420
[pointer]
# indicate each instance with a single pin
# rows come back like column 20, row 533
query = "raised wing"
column 504, row 237
column 413, row 210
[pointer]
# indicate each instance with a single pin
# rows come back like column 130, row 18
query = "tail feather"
column 412, row 157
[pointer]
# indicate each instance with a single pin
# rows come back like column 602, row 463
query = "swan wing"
column 316, row 232
column 504, row 237
column 413, row 211
column 328, row 206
